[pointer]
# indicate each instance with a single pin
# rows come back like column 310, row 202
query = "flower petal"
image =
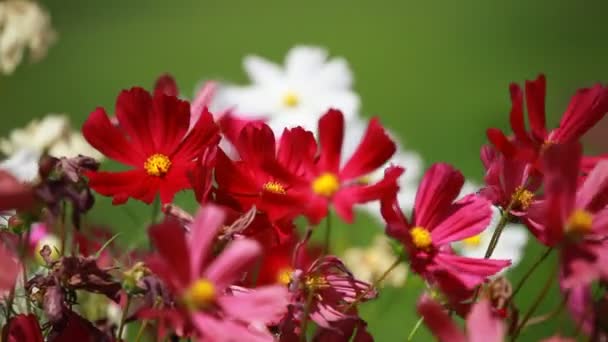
column 331, row 134
column 535, row 101
column 133, row 111
column 483, row 325
column 232, row 263
column 465, row 218
column 261, row 71
column 168, row 120
column 263, row 305
column 203, row 231
column 438, row 321
column 122, row 185
column 169, row 238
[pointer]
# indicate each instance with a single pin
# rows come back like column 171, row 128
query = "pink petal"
column 469, row 271
column 201, row 100
column 483, row 325
column 265, row 305
column 440, row 186
column 465, row 218
column 203, row 231
column 438, row 322
column 212, row 329
column 233, row 262
column 593, row 194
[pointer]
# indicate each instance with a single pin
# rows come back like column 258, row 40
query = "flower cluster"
column 269, row 167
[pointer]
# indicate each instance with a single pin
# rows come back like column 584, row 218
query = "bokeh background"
column 437, row 73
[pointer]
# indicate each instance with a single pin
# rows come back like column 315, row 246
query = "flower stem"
column 535, row 304
column 327, row 234
column 304, row 325
column 374, row 284
column 125, row 311
column 410, row 336
column 531, row 270
column 142, row 328
column 155, row 210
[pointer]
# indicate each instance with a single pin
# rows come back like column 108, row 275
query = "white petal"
column 337, row 74
column 304, row 62
column 262, row 71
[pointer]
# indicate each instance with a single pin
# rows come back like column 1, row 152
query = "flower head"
column 154, row 139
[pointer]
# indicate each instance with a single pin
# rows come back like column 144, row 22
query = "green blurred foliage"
column 437, row 73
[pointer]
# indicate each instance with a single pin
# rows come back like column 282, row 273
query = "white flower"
column 23, row 25
column 52, row 134
column 510, row 246
column 368, row 264
column 22, row 164
column 411, row 161
column 296, row 94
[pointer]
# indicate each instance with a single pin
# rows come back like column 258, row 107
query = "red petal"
column 500, row 141
column 467, row 217
column 516, row 117
column 122, row 185
column 133, row 110
column 331, row 135
column 168, row 120
column 256, row 144
column 535, row 101
column 169, row 239
column 205, row 133
column 586, row 108
column 109, row 140
column 297, row 150
column 438, row 321
column 174, row 181
column 165, row 84
column 440, row 186
column 374, row 150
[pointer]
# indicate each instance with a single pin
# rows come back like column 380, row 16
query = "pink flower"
column 438, row 221
column 573, row 217
column 201, row 282
column 10, row 267
column 14, row 194
column 482, row 324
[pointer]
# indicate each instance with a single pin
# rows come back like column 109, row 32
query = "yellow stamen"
column 290, row 99
column 157, row 165
column 275, row 187
column 200, row 295
column 421, row 237
column 473, row 241
column 326, row 184
column 579, row 222
column 284, row 276
column 315, row 282
column 522, row 198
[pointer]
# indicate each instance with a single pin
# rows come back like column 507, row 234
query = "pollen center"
column 326, row 184
column 275, row 187
column 157, row 165
column 473, row 241
column 522, row 198
column 421, row 237
column 579, row 222
column 315, row 282
column 200, row 295
column 290, row 99
column 284, row 276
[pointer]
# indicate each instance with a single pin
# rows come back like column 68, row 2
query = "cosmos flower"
column 154, row 139
column 24, row 25
column 437, row 221
column 201, row 283
column 296, row 94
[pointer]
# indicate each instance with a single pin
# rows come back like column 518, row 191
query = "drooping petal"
column 375, row 149
column 169, row 239
column 232, row 263
column 469, row 271
column 439, row 187
column 109, row 140
column 331, row 135
column 483, row 325
column 465, row 218
column 535, row 101
column 586, row 108
column 438, row 321
column 203, row 231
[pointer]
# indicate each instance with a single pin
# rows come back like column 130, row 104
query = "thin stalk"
column 155, row 210
column 550, row 315
column 142, row 328
column 410, row 336
column 304, row 325
column 535, row 304
column 375, row 284
column 327, row 234
column 530, row 271
column 125, row 311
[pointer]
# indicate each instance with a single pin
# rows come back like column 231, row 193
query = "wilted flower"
column 24, row 25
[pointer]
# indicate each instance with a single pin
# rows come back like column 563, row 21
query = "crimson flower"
column 572, row 217
column 437, row 221
column 154, row 139
column 201, row 284
column 330, row 182
column 22, row 328
column 586, row 108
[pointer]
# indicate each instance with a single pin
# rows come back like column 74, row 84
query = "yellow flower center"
column 421, row 238
column 275, row 187
column 290, row 99
column 200, row 295
column 579, row 222
column 473, row 241
column 315, row 282
column 522, row 198
column 157, row 165
column 284, row 276
column 326, row 184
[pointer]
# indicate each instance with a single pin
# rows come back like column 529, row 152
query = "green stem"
column 304, row 325
column 535, row 304
column 142, row 328
column 410, row 336
column 327, row 234
column 125, row 311
column 531, row 270
column 504, row 219
column 155, row 210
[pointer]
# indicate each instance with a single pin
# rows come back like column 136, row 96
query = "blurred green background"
column 437, row 73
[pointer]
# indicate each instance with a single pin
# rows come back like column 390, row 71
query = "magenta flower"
column 201, row 283
column 438, row 221
column 482, row 324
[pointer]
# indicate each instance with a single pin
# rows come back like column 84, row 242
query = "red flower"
column 438, row 221
column 331, row 182
column 586, row 108
column 153, row 138
column 14, row 194
column 22, row 328
column 572, row 216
